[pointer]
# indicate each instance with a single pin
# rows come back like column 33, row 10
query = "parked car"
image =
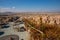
column 1, row 33
column 22, row 29
column 5, row 26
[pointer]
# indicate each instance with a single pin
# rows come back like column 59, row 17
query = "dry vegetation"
column 50, row 31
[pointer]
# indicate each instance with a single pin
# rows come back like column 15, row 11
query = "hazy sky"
column 30, row 5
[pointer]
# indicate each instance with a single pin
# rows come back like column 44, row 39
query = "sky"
column 30, row 5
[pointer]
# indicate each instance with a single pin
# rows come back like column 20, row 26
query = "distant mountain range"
column 10, row 13
column 6, row 13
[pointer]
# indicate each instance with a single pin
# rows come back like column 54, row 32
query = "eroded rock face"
column 10, row 37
